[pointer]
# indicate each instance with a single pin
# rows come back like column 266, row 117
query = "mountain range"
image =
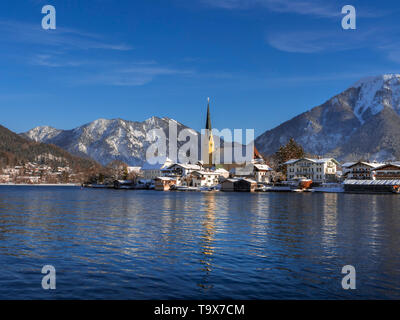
column 16, row 150
column 361, row 122
column 108, row 140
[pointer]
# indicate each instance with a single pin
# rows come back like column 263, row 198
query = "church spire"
column 208, row 123
column 208, row 147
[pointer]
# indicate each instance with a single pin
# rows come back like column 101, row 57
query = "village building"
column 154, row 167
column 389, row 171
column 361, row 170
column 164, row 183
column 223, row 174
column 204, row 179
column 239, row 185
column 229, row 184
column 59, row 169
column 318, row 170
column 4, row 178
column 11, row 171
column 27, row 179
column 261, row 173
column 245, row 185
column 135, row 170
column 346, row 167
column 372, row 186
column 181, row 172
column 123, row 184
column 257, row 170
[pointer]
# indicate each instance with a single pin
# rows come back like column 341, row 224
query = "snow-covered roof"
column 156, row 163
column 262, row 167
column 231, row 180
column 324, row 160
column 368, row 164
column 187, row 166
column 291, row 161
column 244, row 171
column 372, row 182
column 166, row 179
column 395, row 164
column 348, row 164
column 239, row 179
column 205, row 173
column 124, row 181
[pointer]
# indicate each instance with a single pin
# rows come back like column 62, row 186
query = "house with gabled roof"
column 390, row 171
column 318, row 170
column 362, row 170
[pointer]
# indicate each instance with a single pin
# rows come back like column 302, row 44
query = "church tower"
column 208, row 148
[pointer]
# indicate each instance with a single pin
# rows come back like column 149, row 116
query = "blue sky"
column 261, row 61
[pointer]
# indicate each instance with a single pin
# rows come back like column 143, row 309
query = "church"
column 257, row 169
column 208, row 147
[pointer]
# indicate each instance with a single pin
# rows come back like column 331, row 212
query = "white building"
column 222, row 173
column 318, row 170
column 153, row 167
column 205, row 178
column 362, row 170
column 181, row 172
column 4, row 178
column 261, row 173
column 133, row 169
column 390, row 171
column 346, row 167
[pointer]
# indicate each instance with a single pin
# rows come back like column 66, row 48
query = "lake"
column 115, row 244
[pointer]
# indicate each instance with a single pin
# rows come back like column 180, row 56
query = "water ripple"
column 107, row 244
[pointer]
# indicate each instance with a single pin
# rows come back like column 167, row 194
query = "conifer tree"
column 292, row 150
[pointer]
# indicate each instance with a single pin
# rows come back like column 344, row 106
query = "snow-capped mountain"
column 107, row 140
column 361, row 122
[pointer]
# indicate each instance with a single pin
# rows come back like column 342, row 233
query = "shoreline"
column 40, row 185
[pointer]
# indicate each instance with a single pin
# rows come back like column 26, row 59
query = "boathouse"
column 370, row 186
column 245, row 185
column 240, row 185
column 164, row 183
column 123, row 184
column 228, row 185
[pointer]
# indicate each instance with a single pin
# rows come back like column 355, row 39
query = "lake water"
column 109, row 244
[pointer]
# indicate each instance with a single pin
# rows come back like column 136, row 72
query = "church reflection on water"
column 207, row 240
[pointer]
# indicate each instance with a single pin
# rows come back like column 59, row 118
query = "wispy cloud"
column 323, row 40
column 54, row 61
column 111, row 72
column 66, row 48
column 379, row 39
column 133, row 75
column 66, row 38
column 306, row 80
column 317, row 8
column 304, row 7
